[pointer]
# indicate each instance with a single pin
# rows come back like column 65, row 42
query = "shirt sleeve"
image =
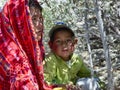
column 49, row 70
column 84, row 70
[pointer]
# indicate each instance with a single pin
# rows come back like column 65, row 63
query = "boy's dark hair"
column 57, row 28
column 35, row 3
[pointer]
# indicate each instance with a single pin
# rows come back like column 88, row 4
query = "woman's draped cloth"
column 21, row 56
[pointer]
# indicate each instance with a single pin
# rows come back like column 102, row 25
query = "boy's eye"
column 69, row 41
column 58, row 42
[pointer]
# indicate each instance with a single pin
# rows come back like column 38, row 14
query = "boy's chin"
column 66, row 58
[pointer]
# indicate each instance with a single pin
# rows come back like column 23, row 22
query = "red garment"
column 21, row 58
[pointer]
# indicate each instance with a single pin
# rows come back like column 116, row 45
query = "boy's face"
column 63, row 44
column 37, row 20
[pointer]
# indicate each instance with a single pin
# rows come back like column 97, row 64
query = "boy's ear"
column 75, row 41
column 50, row 44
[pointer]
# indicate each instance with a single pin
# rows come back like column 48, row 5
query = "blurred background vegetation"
column 81, row 16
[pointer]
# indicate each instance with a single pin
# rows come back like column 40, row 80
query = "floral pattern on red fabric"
column 21, row 58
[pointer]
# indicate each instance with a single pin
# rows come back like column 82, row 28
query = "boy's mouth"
column 65, row 50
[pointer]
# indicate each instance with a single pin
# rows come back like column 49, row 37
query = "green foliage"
column 2, row 2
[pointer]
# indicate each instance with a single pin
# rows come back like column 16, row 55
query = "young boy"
column 62, row 66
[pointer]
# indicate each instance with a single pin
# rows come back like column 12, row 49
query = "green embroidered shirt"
column 58, row 71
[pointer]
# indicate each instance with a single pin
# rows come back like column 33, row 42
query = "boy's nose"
column 64, row 43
